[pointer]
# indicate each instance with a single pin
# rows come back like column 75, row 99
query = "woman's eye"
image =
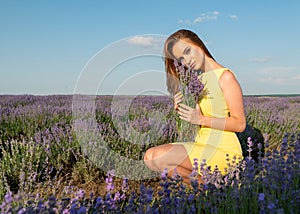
column 188, row 51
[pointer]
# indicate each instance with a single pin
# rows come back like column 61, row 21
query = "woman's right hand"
column 178, row 98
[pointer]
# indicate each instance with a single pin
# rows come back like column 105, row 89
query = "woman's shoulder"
column 227, row 75
column 224, row 73
column 228, row 79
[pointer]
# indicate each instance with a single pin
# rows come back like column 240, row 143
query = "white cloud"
column 206, row 17
column 187, row 22
column 259, row 59
column 297, row 77
column 142, row 40
column 198, row 19
column 278, row 75
column 274, row 80
column 276, row 70
column 233, row 17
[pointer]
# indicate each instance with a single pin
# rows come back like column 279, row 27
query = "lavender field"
column 46, row 167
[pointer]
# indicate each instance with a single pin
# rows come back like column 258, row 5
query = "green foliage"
column 22, row 165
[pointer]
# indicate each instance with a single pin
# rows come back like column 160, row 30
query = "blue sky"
column 46, row 47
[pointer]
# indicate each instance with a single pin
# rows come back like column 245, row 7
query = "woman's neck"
column 211, row 64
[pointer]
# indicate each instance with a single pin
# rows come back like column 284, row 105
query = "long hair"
column 172, row 75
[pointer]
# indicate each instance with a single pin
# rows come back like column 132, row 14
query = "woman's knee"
column 156, row 152
column 154, row 157
column 148, row 156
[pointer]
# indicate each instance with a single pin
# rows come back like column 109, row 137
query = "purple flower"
column 125, row 184
column 164, row 174
column 250, row 145
column 8, row 197
column 191, row 198
column 99, row 202
column 189, row 81
column 271, row 206
column 194, row 175
column 81, row 210
column 80, row 194
column 261, row 197
column 196, row 165
column 109, row 180
column 117, row 196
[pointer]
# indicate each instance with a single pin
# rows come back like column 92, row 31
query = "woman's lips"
column 192, row 65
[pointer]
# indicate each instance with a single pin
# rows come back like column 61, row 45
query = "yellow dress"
column 212, row 144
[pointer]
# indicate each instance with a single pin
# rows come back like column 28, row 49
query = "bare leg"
column 169, row 156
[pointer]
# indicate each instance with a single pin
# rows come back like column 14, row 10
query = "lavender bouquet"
column 193, row 91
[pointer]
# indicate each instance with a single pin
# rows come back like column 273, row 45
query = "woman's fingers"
column 178, row 98
column 178, row 94
column 189, row 114
column 184, row 108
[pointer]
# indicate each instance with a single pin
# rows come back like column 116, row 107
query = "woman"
column 219, row 114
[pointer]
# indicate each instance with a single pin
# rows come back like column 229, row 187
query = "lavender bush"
column 43, row 168
column 269, row 186
column 193, row 91
column 273, row 116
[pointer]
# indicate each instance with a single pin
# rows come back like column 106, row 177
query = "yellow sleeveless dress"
column 212, row 144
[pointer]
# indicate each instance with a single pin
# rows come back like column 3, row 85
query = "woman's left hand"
column 192, row 115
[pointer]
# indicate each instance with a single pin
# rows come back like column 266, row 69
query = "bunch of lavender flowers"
column 193, row 91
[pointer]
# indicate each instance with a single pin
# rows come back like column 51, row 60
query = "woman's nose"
column 186, row 61
column 189, row 63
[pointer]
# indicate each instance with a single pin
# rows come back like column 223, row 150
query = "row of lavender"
column 39, row 147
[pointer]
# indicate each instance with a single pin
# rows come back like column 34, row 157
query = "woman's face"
column 188, row 54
